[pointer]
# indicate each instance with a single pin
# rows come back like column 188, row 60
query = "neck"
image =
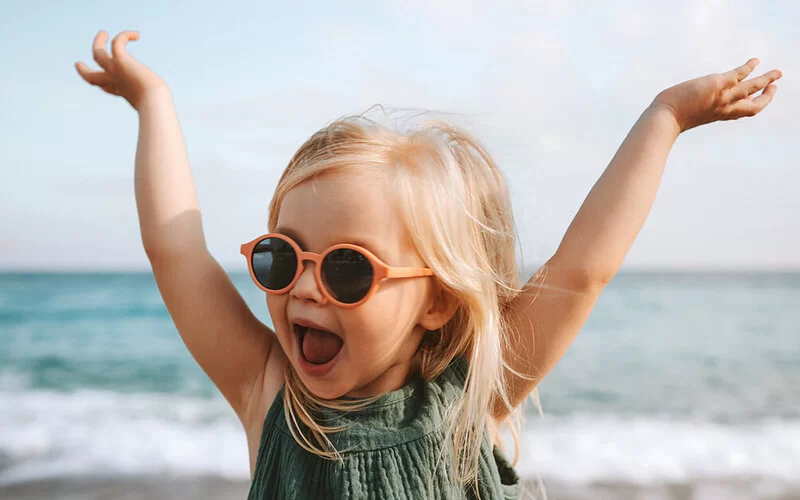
column 397, row 375
column 394, row 378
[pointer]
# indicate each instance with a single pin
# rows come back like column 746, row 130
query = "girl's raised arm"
column 558, row 299
column 227, row 340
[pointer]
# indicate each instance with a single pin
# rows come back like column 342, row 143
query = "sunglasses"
column 346, row 275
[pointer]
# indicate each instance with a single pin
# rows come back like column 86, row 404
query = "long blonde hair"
column 456, row 206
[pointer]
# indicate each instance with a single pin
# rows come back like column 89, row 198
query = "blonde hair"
column 455, row 205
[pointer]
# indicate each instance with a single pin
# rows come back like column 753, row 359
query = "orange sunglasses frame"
column 380, row 270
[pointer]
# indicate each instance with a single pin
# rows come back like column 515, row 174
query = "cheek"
column 388, row 318
column 277, row 312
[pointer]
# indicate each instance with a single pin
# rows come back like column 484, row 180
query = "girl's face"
column 379, row 337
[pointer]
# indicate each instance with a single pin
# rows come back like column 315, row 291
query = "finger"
column 736, row 75
column 118, row 45
column 98, row 78
column 750, row 87
column 748, row 107
column 99, row 50
column 766, row 96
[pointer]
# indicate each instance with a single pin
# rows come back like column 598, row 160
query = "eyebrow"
column 291, row 234
column 371, row 246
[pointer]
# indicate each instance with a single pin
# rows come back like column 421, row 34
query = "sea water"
column 675, row 378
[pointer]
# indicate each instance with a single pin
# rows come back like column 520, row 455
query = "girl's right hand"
column 122, row 75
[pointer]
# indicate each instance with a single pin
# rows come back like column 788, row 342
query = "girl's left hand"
column 719, row 96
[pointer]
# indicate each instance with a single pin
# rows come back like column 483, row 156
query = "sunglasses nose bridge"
column 304, row 257
column 316, row 259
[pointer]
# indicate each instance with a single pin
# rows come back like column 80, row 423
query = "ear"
column 441, row 308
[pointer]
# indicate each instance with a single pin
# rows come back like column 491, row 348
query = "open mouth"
column 317, row 347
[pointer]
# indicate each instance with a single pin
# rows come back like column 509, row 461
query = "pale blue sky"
column 551, row 87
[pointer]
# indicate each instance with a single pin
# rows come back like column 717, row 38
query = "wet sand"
column 213, row 488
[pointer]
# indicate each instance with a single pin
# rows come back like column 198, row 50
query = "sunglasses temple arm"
column 407, row 272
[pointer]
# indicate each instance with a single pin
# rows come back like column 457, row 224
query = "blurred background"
column 682, row 384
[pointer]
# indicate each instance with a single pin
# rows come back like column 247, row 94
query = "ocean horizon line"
column 655, row 270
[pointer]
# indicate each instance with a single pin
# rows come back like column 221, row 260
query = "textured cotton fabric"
column 393, row 451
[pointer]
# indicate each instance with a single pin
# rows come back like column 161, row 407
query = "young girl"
column 402, row 339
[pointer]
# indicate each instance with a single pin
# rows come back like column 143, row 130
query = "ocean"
column 682, row 384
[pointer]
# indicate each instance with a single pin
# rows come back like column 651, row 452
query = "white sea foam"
column 648, row 450
column 49, row 434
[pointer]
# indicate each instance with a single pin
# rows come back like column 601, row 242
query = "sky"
column 551, row 87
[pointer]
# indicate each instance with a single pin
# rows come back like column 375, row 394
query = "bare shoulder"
column 265, row 388
column 261, row 399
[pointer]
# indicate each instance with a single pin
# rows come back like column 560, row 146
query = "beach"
column 208, row 488
column 680, row 386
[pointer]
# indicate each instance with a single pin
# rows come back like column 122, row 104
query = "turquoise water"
column 674, row 377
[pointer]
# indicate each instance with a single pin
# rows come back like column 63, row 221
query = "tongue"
column 320, row 346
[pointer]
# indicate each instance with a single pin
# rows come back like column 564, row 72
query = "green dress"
column 393, row 448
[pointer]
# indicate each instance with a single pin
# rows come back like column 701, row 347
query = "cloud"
column 552, row 87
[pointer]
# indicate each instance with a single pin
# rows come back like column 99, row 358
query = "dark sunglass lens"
column 274, row 263
column 347, row 275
